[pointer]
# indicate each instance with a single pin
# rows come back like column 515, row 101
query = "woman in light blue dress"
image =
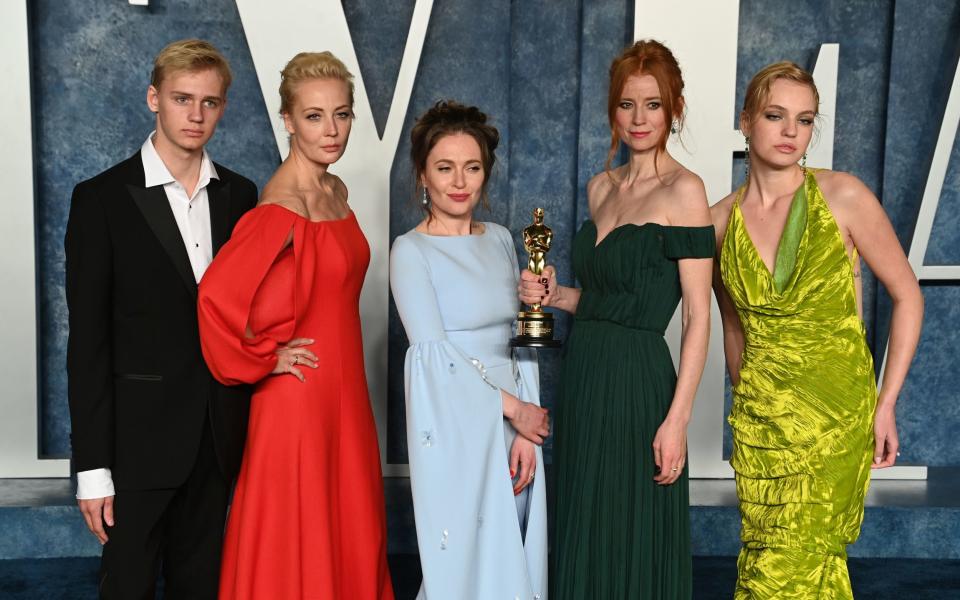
column 473, row 416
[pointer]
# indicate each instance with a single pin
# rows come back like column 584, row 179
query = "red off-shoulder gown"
column 307, row 519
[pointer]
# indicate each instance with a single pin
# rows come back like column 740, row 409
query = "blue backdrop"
column 539, row 68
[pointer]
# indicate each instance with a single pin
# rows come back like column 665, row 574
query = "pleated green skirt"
column 619, row 535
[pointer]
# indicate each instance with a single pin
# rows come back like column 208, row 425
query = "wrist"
column 510, row 404
column 564, row 298
column 886, row 404
column 558, row 295
column 677, row 419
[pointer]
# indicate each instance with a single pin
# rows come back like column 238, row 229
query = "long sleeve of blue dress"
column 456, row 298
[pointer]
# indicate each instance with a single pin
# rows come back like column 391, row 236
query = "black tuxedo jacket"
column 138, row 387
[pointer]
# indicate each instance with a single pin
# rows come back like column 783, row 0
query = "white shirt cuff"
column 95, row 483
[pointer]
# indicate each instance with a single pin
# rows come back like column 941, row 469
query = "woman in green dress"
column 622, row 506
column 807, row 421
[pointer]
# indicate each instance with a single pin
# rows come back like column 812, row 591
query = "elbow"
column 910, row 299
column 697, row 319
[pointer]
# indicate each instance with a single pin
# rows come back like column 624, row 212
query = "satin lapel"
column 218, row 195
column 155, row 207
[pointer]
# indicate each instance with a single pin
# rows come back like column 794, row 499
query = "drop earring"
column 425, row 199
column 675, row 126
column 803, row 163
column 746, row 157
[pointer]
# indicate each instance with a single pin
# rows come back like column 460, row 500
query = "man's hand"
column 95, row 512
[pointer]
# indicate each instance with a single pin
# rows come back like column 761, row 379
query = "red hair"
column 646, row 57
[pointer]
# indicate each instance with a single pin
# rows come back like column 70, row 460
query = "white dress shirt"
column 192, row 214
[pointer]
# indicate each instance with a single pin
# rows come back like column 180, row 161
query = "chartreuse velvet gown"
column 802, row 414
column 619, row 535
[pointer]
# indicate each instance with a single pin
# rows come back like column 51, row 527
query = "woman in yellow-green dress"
column 808, row 423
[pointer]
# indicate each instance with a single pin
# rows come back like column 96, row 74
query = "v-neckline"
column 743, row 222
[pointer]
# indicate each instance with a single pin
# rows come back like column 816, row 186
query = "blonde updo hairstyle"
column 759, row 89
column 311, row 65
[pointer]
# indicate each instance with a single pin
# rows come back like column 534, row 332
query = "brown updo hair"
column 311, row 65
column 759, row 89
column 646, row 57
column 448, row 117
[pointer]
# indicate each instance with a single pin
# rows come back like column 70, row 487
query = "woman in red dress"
column 279, row 309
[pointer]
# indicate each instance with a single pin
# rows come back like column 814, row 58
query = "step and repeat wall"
column 887, row 71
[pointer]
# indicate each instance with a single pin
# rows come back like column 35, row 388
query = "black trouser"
column 180, row 529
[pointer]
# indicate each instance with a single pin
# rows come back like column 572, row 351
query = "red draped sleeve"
column 235, row 352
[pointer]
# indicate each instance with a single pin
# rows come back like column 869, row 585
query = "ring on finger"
column 531, row 477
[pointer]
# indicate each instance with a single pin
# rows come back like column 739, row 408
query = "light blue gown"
column 457, row 298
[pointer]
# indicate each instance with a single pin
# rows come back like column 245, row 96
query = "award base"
column 534, row 330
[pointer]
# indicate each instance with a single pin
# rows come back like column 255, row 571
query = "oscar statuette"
column 534, row 325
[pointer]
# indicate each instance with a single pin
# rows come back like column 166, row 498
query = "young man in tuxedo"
column 156, row 441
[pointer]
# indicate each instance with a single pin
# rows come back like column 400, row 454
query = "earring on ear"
column 746, row 157
column 425, row 199
column 675, row 126
column 803, row 162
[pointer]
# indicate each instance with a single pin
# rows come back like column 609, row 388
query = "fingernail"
column 512, row 474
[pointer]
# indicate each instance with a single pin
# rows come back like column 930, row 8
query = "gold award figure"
column 536, row 241
column 535, row 327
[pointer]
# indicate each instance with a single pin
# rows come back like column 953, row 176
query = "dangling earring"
column 746, row 158
column 675, row 127
column 425, row 199
column 803, row 163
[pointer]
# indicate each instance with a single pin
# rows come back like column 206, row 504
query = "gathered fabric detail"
column 802, row 415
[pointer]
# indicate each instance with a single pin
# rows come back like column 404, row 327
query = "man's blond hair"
column 190, row 55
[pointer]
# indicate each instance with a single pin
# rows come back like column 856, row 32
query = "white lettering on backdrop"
column 705, row 43
column 19, row 424
column 274, row 38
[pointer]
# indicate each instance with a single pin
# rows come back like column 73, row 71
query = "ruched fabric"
column 803, row 409
column 619, row 535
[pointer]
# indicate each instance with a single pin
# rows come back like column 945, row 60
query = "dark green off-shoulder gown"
column 619, row 535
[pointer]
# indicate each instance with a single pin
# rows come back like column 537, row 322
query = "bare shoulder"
column 686, row 200
column 275, row 192
column 598, row 188
column 688, row 190
column 339, row 187
column 843, row 190
column 720, row 214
